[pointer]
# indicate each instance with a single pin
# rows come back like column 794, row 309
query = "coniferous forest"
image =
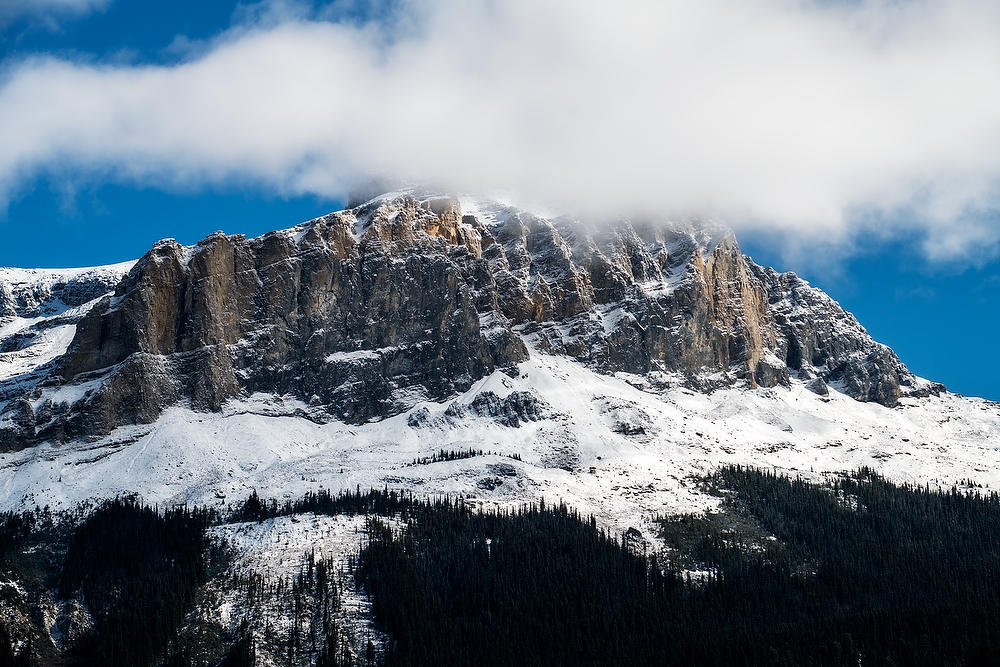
column 785, row 572
column 130, row 562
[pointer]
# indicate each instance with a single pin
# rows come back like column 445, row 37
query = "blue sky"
column 925, row 281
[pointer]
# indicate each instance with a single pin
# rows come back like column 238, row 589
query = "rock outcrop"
column 364, row 312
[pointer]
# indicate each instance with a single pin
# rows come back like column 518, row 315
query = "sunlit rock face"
column 409, row 297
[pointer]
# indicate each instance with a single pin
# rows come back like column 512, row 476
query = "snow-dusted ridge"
column 39, row 310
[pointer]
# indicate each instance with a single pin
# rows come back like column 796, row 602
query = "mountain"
column 461, row 347
column 375, row 335
column 364, row 312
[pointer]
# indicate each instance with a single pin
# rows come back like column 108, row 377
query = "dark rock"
column 818, row 386
column 419, row 418
column 512, row 410
column 502, row 469
column 626, row 428
column 490, row 483
column 770, row 373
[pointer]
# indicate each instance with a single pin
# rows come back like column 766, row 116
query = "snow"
column 67, row 394
column 665, row 286
column 647, row 447
column 361, row 225
column 491, row 208
column 612, row 315
column 14, row 276
column 187, row 253
column 278, row 548
column 41, row 322
column 359, row 355
column 299, row 232
column 46, row 346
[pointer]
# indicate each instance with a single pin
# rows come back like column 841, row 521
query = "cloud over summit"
column 819, row 118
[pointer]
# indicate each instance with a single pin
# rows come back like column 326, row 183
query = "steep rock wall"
column 364, row 312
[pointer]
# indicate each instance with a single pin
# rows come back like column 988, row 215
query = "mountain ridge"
column 436, row 292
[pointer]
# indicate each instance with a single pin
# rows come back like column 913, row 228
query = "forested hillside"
column 785, row 572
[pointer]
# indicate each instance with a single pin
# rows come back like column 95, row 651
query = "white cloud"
column 816, row 118
column 47, row 11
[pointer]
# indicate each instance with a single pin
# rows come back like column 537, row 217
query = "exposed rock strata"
column 366, row 311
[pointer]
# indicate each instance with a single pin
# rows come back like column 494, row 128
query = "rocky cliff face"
column 364, row 312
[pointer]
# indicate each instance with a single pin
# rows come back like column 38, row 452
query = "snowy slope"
column 646, row 446
column 39, row 311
